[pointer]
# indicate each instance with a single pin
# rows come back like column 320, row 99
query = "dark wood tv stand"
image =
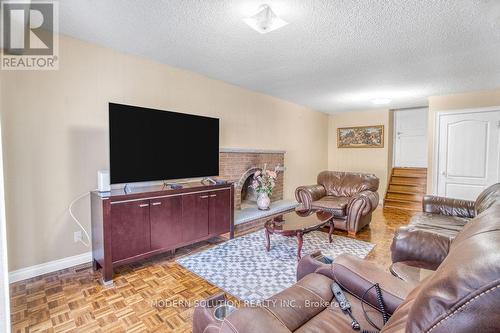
column 128, row 227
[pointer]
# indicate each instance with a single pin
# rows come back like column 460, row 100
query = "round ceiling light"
column 265, row 20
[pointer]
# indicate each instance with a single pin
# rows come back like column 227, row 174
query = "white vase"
column 263, row 201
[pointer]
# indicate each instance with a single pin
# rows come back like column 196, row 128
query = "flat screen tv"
column 149, row 145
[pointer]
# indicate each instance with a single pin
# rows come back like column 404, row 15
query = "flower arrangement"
column 264, row 181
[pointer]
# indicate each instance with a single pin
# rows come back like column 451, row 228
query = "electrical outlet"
column 77, row 236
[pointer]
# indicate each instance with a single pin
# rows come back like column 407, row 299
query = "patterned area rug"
column 243, row 268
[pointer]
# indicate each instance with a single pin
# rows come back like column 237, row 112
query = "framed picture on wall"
column 361, row 137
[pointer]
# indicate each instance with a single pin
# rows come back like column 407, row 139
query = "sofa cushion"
column 250, row 320
column 347, row 184
column 410, row 272
column 285, row 311
column 333, row 320
column 357, row 275
column 444, row 225
column 313, row 288
column 336, row 205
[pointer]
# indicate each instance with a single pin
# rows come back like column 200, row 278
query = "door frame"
column 4, row 277
column 394, row 126
column 437, row 135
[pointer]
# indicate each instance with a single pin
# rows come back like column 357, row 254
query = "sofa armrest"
column 203, row 316
column 428, row 249
column 284, row 312
column 310, row 264
column 359, row 209
column 366, row 200
column 447, row 206
column 305, row 195
column 356, row 275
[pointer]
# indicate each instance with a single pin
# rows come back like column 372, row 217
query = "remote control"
column 344, row 305
column 340, row 297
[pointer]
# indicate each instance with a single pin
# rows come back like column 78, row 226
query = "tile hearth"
column 253, row 213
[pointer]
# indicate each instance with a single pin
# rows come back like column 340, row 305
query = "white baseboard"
column 49, row 267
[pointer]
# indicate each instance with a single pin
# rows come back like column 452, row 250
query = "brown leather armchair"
column 351, row 197
column 427, row 239
column 463, row 295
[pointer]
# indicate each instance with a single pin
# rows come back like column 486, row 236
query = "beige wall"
column 54, row 126
column 448, row 103
column 371, row 160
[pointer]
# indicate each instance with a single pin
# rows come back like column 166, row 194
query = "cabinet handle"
column 143, row 205
column 213, row 195
column 156, row 203
column 203, row 196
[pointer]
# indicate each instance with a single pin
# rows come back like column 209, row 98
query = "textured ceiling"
column 335, row 55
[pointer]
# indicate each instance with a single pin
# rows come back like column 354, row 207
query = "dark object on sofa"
column 351, row 197
column 426, row 240
column 462, row 295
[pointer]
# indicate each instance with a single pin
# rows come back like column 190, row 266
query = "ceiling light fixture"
column 381, row 101
column 265, row 20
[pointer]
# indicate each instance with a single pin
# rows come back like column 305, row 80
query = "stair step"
column 422, row 170
column 410, row 172
column 406, row 189
column 410, row 189
column 413, row 206
column 397, row 180
column 411, row 168
column 411, row 197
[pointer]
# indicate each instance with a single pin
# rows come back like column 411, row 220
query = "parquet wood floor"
column 153, row 296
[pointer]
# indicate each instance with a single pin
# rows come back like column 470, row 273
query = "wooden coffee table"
column 296, row 224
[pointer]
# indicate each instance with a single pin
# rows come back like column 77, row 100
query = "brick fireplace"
column 239, row 165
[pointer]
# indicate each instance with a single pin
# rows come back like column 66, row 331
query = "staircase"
column 406, row 189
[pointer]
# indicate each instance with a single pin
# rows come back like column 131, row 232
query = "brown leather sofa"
column 426, row 240
column 462, row 295
column 351, row 197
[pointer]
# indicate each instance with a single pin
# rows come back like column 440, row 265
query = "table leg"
column 330, row 232
column 268, row 241
column 107, row 274
column 299, row 244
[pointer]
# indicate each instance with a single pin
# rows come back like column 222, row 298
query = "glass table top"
column 298, row 220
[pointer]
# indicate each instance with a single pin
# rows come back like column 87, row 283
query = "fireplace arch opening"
column 248, row 194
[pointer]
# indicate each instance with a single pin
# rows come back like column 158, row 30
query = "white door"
column 410, row 144
column 468, row 155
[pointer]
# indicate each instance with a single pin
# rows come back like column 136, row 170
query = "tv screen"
column 148, row 144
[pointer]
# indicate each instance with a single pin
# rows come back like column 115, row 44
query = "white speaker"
column 103, row 182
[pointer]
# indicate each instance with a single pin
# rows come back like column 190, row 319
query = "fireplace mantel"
column 251, row 151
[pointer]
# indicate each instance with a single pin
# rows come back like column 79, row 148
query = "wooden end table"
column 296, row 224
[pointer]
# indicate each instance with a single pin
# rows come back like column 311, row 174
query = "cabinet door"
column 194, row 216
column 220, row 205
column 166, row 222
column 130, row 230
